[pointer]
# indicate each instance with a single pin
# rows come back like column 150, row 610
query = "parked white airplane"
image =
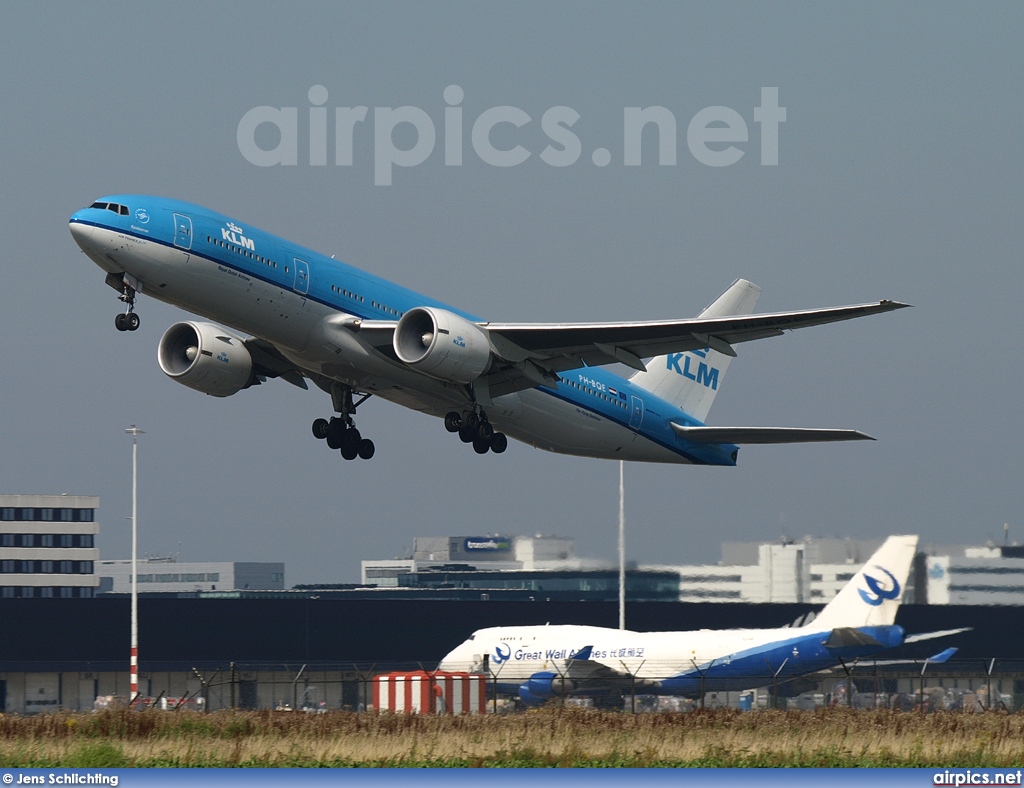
column 541, row 662
column 355, row 335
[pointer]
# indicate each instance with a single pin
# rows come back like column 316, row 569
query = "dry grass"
column 545, row 737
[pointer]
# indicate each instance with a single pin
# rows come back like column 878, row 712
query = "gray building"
column 48, row 545
column 171, row 575
column 486, row 553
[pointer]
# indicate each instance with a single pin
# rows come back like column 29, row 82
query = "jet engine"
column 442, row 345
column 543, row 686
column 206, row 358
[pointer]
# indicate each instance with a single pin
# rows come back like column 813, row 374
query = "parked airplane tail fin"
column 873, row 595
column 690, row 380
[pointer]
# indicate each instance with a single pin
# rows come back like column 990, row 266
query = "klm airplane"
column 297, row 315
column 538, row 663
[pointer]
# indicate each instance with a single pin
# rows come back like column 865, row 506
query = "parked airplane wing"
column 749, row 435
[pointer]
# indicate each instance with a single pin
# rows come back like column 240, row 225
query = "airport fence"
column 964, row 685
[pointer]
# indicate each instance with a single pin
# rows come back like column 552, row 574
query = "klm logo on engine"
column 234, row 234
column 706, row 375
column 223, row 357
column 459, row 341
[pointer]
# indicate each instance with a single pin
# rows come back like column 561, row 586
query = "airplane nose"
column 79, row 231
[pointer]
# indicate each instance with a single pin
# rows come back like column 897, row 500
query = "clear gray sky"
column 900, row 176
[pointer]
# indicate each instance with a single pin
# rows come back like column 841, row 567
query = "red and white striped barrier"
column 422, row 692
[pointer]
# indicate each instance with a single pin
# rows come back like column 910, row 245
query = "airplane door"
column 182, row 231
column 301, row 276
column 636, row 416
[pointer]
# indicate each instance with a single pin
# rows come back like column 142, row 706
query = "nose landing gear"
column 473, row 427
column 127, row 321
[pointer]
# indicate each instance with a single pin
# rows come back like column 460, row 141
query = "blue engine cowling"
column 543, row 686
column 528, row 699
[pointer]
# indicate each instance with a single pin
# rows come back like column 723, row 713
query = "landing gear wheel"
column 471, row 420
column 481, row 446
column 321, row 428
column 119, row 322
column 453, row 421
column 466, row 433
column 499, row 442
column 366, row 449
column 335, row 433
column 350, row 440
column 131, row 321
column 485, row 431
column 349, row 451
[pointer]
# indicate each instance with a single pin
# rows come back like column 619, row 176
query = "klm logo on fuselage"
column 706, row 375
column 233, row 234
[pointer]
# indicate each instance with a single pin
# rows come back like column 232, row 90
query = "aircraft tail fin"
column 691, row 380
column 873, row 595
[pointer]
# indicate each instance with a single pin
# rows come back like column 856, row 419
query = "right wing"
column 532, row 354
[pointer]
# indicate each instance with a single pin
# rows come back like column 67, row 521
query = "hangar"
column 300, row 649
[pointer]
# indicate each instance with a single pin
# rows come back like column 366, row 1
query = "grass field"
column 545, row 737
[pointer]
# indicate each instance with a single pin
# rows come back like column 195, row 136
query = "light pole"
column 622, row 544
column 135, row 432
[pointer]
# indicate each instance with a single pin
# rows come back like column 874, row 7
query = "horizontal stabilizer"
column 932, row 635
column 765, row 434
column 942, row 656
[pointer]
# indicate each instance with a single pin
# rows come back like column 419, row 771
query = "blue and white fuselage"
column 532, row 662
column 540, row 662
column 313, row 316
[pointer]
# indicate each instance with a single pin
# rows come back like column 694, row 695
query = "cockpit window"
column 120, row 210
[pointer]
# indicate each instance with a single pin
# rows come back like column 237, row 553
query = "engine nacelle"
column 442, row 345
column 206, row 358
column 546, row 684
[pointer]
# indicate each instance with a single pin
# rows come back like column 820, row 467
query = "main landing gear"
column 340, row 432
column 473, row 427
column 127, row 321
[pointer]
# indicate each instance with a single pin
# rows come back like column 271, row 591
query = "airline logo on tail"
column 876, row 595
column 704, row 374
